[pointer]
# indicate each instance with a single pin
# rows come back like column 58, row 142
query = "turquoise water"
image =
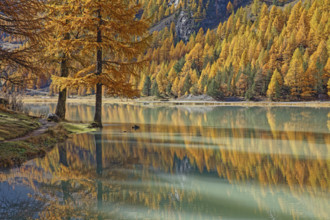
column 182, row 163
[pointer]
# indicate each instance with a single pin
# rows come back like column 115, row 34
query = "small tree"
column 213, row 90
column 319, row 77
column 275, row 86
column 230, row 8
column 146, row 86
column 169, row 89
column 179, row 65
column 278, row 91
column 154, row 89
column 186, row 84
column 295, row 76
column 255, row 7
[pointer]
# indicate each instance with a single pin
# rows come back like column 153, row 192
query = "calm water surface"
column 183, row 163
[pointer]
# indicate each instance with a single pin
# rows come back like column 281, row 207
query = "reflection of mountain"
column 188, row 165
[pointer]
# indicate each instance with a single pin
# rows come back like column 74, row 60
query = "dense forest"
column 274, row 49
column 265, row 51
column 199, row 9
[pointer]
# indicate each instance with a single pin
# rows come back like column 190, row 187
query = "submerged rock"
column 135, row 127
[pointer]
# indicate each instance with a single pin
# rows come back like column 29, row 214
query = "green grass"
column 77, row 128
column 13, row 125
column 16, row 152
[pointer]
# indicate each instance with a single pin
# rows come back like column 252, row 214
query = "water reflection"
column 186, row 163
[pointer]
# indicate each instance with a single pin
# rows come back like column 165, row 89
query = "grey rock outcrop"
column 185, row 25
column 175, row 2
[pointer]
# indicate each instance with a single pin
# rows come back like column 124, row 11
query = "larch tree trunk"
column 98, row 104
column 99, row 170
column 61, row 103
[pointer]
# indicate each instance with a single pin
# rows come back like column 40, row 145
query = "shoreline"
column 91, row 100
column 15, row 153
column 34, row 137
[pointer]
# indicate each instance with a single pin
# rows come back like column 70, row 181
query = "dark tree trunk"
column 99, row 161
column 98, row 107
column 99, row 199
column 65, row 185
column 99, row 170
column 98, row 104
column 60, row 108
column 62, row 152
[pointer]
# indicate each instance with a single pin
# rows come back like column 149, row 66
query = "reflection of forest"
column 276, row 118
column 273, row 148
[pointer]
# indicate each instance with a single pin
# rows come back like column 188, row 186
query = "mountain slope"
column 189, row 16
column 278, row 52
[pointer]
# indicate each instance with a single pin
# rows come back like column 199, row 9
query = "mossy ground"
column 14, row 153
column 77, row 128
column 13, row 125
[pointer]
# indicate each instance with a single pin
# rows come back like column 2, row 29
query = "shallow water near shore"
column 181, row 163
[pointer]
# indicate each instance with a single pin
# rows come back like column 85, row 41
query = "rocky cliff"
column 215, row 12
column 185, row 25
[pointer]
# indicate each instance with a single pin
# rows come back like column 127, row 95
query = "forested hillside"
column 279, row 52
column 207, row 12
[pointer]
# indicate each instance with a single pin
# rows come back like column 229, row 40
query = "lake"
column 184, row 162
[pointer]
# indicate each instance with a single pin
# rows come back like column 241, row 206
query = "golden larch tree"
column 58, row 51
column 295, row 76
column 275, row 84
column 115, row 38
column 230, row 8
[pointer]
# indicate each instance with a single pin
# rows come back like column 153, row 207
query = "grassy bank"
column 15, row 125
column 14, row 153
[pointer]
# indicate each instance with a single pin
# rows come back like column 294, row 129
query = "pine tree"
column 326, row 74
column 255, row 7
column 146, row 86
column 301, row 36
column 275, row 85
column 154, row 89
column 195, row 57
column 169, row 89
column 179, row 65
column 230, row 8
column 213, row 90
column 241, row 84
column 295, row 76
column 187, row 84
column 315, row 71
column 175, row 88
